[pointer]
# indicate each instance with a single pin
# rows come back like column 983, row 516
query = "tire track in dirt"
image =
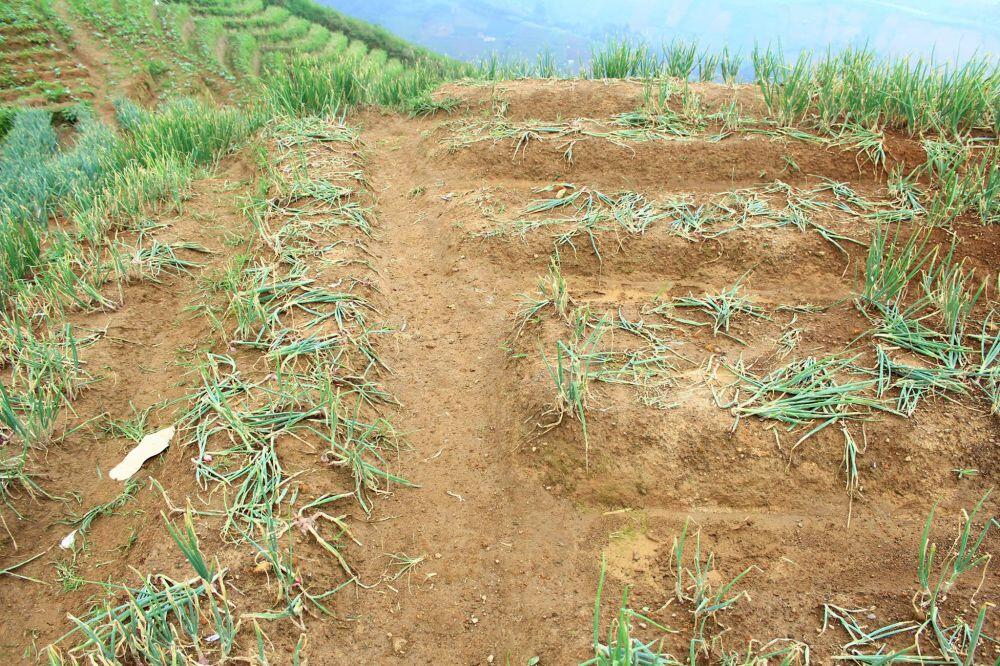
column 509, row 570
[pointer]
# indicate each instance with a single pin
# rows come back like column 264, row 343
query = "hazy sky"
column 474, row 28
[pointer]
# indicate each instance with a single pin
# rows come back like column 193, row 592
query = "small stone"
column 399, row 645
column 489, row 659
column 437, row 556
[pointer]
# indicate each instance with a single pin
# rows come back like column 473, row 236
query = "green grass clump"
column 721, row 307
column 128, row 194
column 986, row 374
column 190, row 131
column 893, row 262
column 621, row 648
column 706, row 601
column 7, row 114
column 965, row 178
column 208, row 33
column 929, row 639
column 233, row 9
column 242, row 50
column 855, row 86
column 105, row 179
column 292, row 29
column 622, row 59
column 956, row 352
column 308, row 86
column 814, row 392
column 571, row 374
column 785, row 86
column 35, row 179
column 272, row 17
column 83, row 522
column 552, row 292
column 314, row 40
column 162, row 621
column 681, row 58
column 17, row 436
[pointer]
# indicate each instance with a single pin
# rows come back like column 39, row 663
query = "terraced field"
column 535, row 273
column 540, row 371
column 247, row 34
column 37, row 66
column 57, row 54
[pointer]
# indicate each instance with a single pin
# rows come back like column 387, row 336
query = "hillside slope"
column 621, row 369
column 57, row 53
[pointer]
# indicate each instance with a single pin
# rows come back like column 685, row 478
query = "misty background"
column 950, row 30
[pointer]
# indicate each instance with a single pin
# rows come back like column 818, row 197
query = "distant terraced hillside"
column 59, row 52
column 242, row 35
column 36, row 61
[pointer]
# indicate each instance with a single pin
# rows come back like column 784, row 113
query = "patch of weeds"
column 813, row 392
column 67, row 577
column 928, row 639
column 892, row 263
column 706, row 600
column 133, row 428
column 162, row 621
column 82, row 522
column 721, row 307
column 552, row 291
column 570, row 371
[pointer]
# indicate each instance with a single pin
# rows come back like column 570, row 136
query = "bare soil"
column 512, row 519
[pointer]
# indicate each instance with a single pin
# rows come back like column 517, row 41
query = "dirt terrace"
column 512, row 519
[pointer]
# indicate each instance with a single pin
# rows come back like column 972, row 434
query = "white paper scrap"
column 68, row 541
column 150, row 446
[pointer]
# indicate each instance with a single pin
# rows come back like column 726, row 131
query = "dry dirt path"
column 509, row 569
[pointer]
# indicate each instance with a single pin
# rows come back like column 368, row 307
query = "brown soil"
column 511, row 519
